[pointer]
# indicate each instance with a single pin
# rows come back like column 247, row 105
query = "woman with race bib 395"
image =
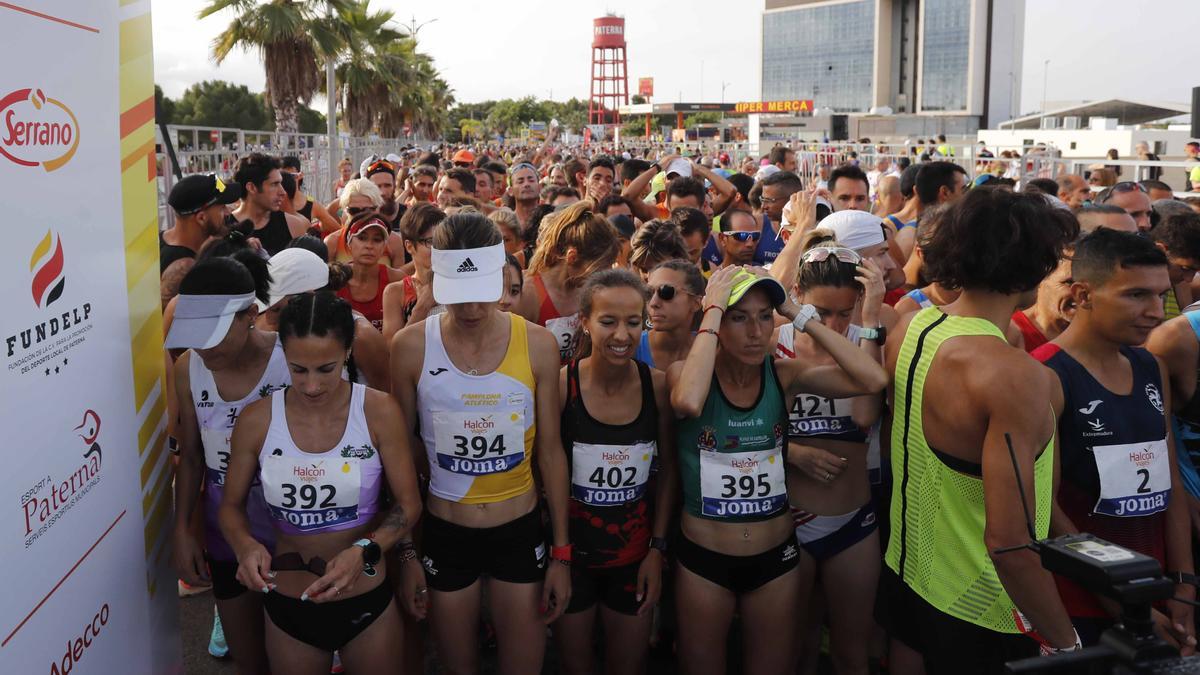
column 482, row 387
column 738, row 550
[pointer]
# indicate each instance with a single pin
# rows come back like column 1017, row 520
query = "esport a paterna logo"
column 37, row 130
column 49, row 329
column 45, row 503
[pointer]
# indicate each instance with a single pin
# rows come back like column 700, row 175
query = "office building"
column 959, row 60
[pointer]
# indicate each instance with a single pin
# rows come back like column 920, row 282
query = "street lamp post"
column 1045, row 80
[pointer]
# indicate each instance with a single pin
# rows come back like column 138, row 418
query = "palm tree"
column 366, row 77
column 293, row 37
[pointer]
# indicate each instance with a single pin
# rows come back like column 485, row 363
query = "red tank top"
column 564, row 328
column 893, row 296
column 371, row 309
column 1032, row 334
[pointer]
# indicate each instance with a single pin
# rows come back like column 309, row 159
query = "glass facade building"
column 945, row 55
column 824, row 53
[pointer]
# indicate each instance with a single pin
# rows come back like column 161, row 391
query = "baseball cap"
column 468, row 275
column 394, row 158
column 464, row 155
column 199, row 191
column 356, row 228
column 744, row 281
column 294, row 270
column 855, row 230
column 202, row 321
column 623, row 224
column 679, row 167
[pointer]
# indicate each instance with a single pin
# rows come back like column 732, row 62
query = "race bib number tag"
column 312, row 495
column 1135, row 478
column 216, row 453
column 477, row 444
column 609, row 475
column 816, row 415
column 564, row 329
column 738, row 484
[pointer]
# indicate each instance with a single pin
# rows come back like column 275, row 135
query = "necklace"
column 473, row 373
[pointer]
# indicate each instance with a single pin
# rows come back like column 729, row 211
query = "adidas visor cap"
column 468, row 275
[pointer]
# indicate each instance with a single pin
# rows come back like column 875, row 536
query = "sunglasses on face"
column 666, row 292
column 743, row 237
column 822, row 253
column 355, row 210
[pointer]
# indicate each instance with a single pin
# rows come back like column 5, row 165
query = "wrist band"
column 710, row 307
column 710, row 331
column 561, row 554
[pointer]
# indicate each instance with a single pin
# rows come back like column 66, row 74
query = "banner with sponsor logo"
column 85, row 492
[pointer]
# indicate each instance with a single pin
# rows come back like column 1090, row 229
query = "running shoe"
column 216, row 643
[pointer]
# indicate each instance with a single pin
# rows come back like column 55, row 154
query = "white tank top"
column 328, row 491
column 478, row 430
column 216, row 416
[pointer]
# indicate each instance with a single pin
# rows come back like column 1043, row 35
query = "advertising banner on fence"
column 85, row 496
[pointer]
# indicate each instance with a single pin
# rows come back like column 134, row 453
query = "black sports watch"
column 657, row 167
column 372, row 553
column 659, row 544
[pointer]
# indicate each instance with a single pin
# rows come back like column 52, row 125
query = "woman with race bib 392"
column 327, row 453
column 738, row 550
column 481, row 385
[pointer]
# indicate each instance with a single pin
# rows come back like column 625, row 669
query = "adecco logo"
column 37, row 130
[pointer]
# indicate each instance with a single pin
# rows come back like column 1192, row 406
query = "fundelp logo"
column 36, row 130
column 46, row 263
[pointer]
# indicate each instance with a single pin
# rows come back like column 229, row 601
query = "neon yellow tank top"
column 937, row 512
column 1171, row 306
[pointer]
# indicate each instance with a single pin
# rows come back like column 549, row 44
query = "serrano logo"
column 46, row 263
column 36, row 130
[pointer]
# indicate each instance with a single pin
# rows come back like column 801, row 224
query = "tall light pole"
column 331, row 112
column 1045, row 79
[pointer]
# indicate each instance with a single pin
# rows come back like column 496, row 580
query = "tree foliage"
column 216, row 103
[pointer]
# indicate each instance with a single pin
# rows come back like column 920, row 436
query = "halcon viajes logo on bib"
column 36, row 130
column 46, row 263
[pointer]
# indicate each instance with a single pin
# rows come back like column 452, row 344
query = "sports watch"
column 371, row 553
column 659, row 544
column 807, row 313
column 878, row 334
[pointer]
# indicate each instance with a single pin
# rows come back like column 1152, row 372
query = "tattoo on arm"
column 395, row 519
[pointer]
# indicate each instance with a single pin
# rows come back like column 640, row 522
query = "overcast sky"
column 512, row 48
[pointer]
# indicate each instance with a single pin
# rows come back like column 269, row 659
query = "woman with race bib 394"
column 482, row 387
column 738, row 550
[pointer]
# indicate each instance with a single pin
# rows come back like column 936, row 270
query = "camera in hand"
column 1132, row 580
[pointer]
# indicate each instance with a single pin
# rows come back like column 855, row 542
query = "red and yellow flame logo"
column 46, row 263
column 36, row 130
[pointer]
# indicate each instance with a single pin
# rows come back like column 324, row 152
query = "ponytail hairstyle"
column 831, row 271
column 235, row 246
column 593, row 238
column 319, row 314
column 654, row 242
column 603, row 280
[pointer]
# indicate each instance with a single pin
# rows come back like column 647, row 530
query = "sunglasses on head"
column 822, row 253
column 667, row 292
column 381, row 164
column 743, row 237
column 1121, row 188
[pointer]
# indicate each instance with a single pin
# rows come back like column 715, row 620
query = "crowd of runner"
column 750, row 410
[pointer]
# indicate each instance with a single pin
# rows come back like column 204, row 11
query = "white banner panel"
column 85, row 485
